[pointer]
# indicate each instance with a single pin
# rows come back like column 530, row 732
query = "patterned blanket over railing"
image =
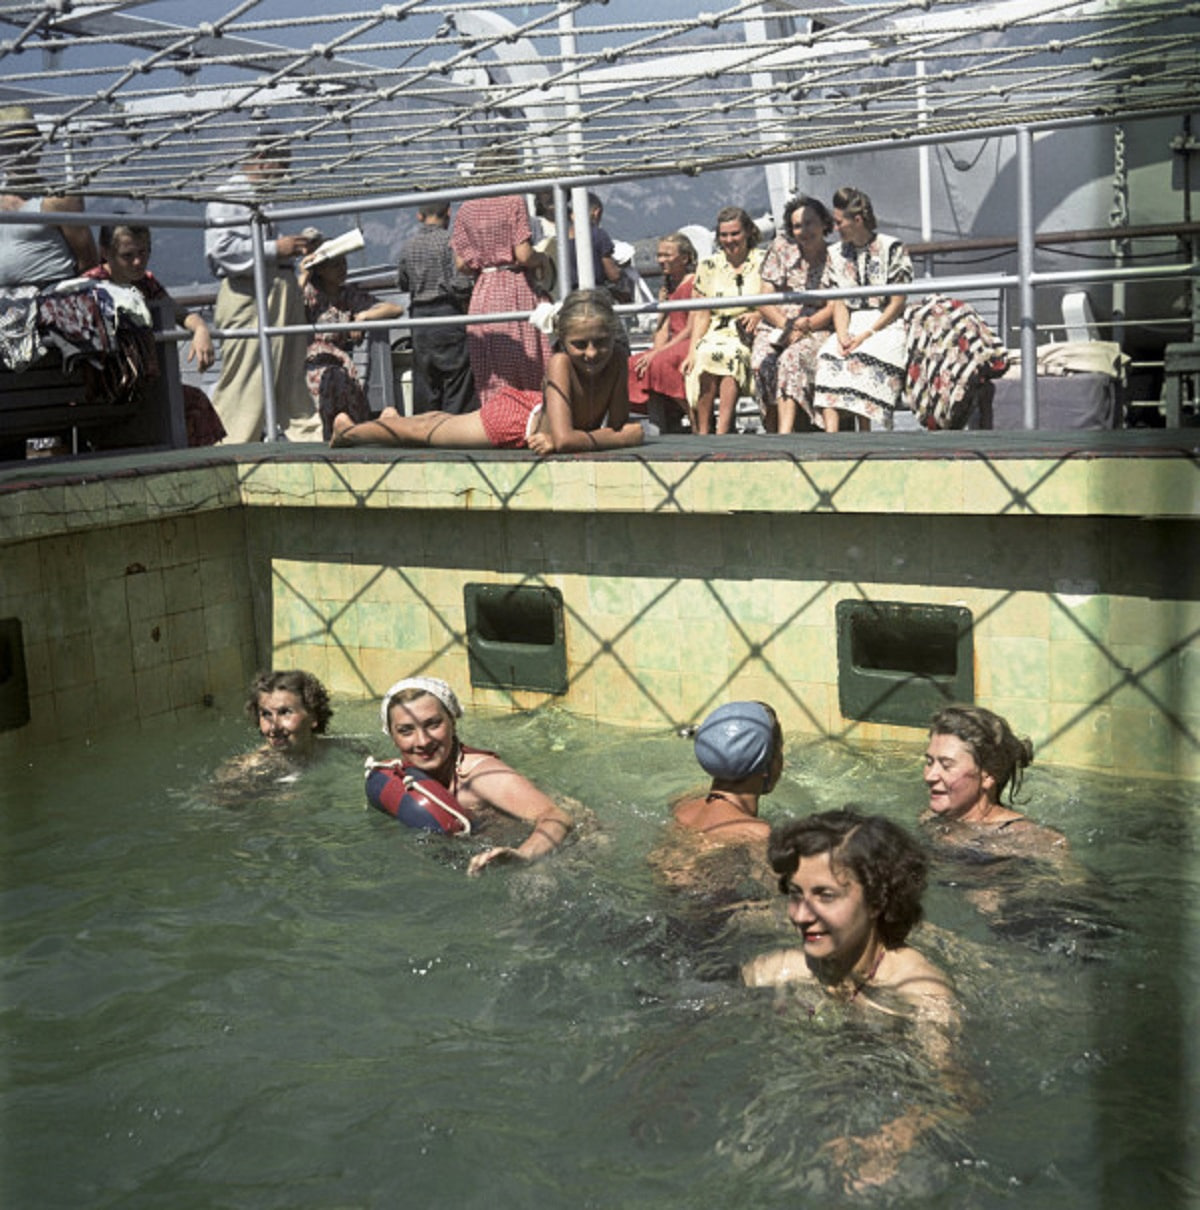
column 951, row 352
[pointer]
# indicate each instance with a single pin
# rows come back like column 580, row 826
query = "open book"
column 340, row 245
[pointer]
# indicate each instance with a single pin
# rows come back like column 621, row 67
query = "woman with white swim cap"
column 419, row 714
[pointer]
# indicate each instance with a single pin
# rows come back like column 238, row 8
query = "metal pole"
column 924, row 173
column 585, row 270
column 1025, row 249
column 582, row 250
column 562, row 278
column 261, row 303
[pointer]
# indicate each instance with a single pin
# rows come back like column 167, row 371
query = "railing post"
column 262, row 305
column 562, row 279
column 1025, row 248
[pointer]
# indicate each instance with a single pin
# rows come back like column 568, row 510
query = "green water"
column 298, row 1004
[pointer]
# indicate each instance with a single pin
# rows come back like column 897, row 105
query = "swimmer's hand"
column 501, row 853
column 865, row 1162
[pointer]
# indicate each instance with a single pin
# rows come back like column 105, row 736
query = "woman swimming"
column 854, row 885
column 419, row 714
column 972, row 758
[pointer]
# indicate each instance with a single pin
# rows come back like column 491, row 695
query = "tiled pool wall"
column 684, row 582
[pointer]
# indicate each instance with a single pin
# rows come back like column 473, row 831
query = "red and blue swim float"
column 415, row 799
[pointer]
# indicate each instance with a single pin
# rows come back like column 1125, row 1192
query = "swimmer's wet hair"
column 304, row 685
column 996, row 748
column 586, row 304
column 881, row 855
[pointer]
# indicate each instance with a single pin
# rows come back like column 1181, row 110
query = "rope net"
column 134, row 100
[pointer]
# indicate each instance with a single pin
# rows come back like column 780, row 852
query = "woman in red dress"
column 492, row 241
column 655, row 380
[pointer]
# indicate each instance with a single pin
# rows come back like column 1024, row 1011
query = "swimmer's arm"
column 869, row 1161
column 237, row 768
column 1036, row 840
column 776, row 969
column 506, row 790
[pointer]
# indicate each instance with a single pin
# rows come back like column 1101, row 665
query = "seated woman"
column 583, row 404
column 854, row 885
column 860, row 368
column 420, row 715
column 125, row 253
column 784, row 356
column 655, row 381
column 717, row 367
column 329, row 368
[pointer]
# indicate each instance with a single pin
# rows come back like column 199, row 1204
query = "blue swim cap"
column 735, row 741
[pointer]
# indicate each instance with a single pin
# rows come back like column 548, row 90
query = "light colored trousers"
column 238, row 397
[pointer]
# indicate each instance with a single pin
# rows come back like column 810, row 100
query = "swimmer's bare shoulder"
column 696, row 814
column 777, row 968
column 260, row 768
column 908, row 973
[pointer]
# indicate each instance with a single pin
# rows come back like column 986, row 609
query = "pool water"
column 297, row 1003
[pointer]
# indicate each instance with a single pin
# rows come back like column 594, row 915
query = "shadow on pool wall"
column 156, row 585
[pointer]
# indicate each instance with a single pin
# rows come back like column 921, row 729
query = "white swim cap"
column 426, row 684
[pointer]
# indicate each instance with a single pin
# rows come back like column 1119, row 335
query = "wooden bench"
column 1180, row 361
column 46, row 401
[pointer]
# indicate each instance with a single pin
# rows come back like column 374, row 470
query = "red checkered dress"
column 486, row 232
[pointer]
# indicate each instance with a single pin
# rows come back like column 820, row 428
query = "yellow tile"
column 1019, row 668
column 1079, row 672
column 1134, row 621
column 1079, row 735
column 619, row 485
column 1144, row 742
column 177, row 541
column 1145, row 676
column 803, row 708
column 1164, row 487
column 1078, row 616
column 182, row 589
column 942, row 487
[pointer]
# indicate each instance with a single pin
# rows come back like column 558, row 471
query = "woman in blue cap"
column 740, row 746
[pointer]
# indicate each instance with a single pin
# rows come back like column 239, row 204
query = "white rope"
column 392, row 95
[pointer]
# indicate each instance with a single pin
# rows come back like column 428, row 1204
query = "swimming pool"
column 299, row 1004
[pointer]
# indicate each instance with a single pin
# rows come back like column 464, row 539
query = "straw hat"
column 17, row 126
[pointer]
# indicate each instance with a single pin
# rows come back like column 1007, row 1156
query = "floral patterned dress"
column 486, row 233
column 791, row 370
column 868, row 382
column 329, row 368
column 721, row 351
